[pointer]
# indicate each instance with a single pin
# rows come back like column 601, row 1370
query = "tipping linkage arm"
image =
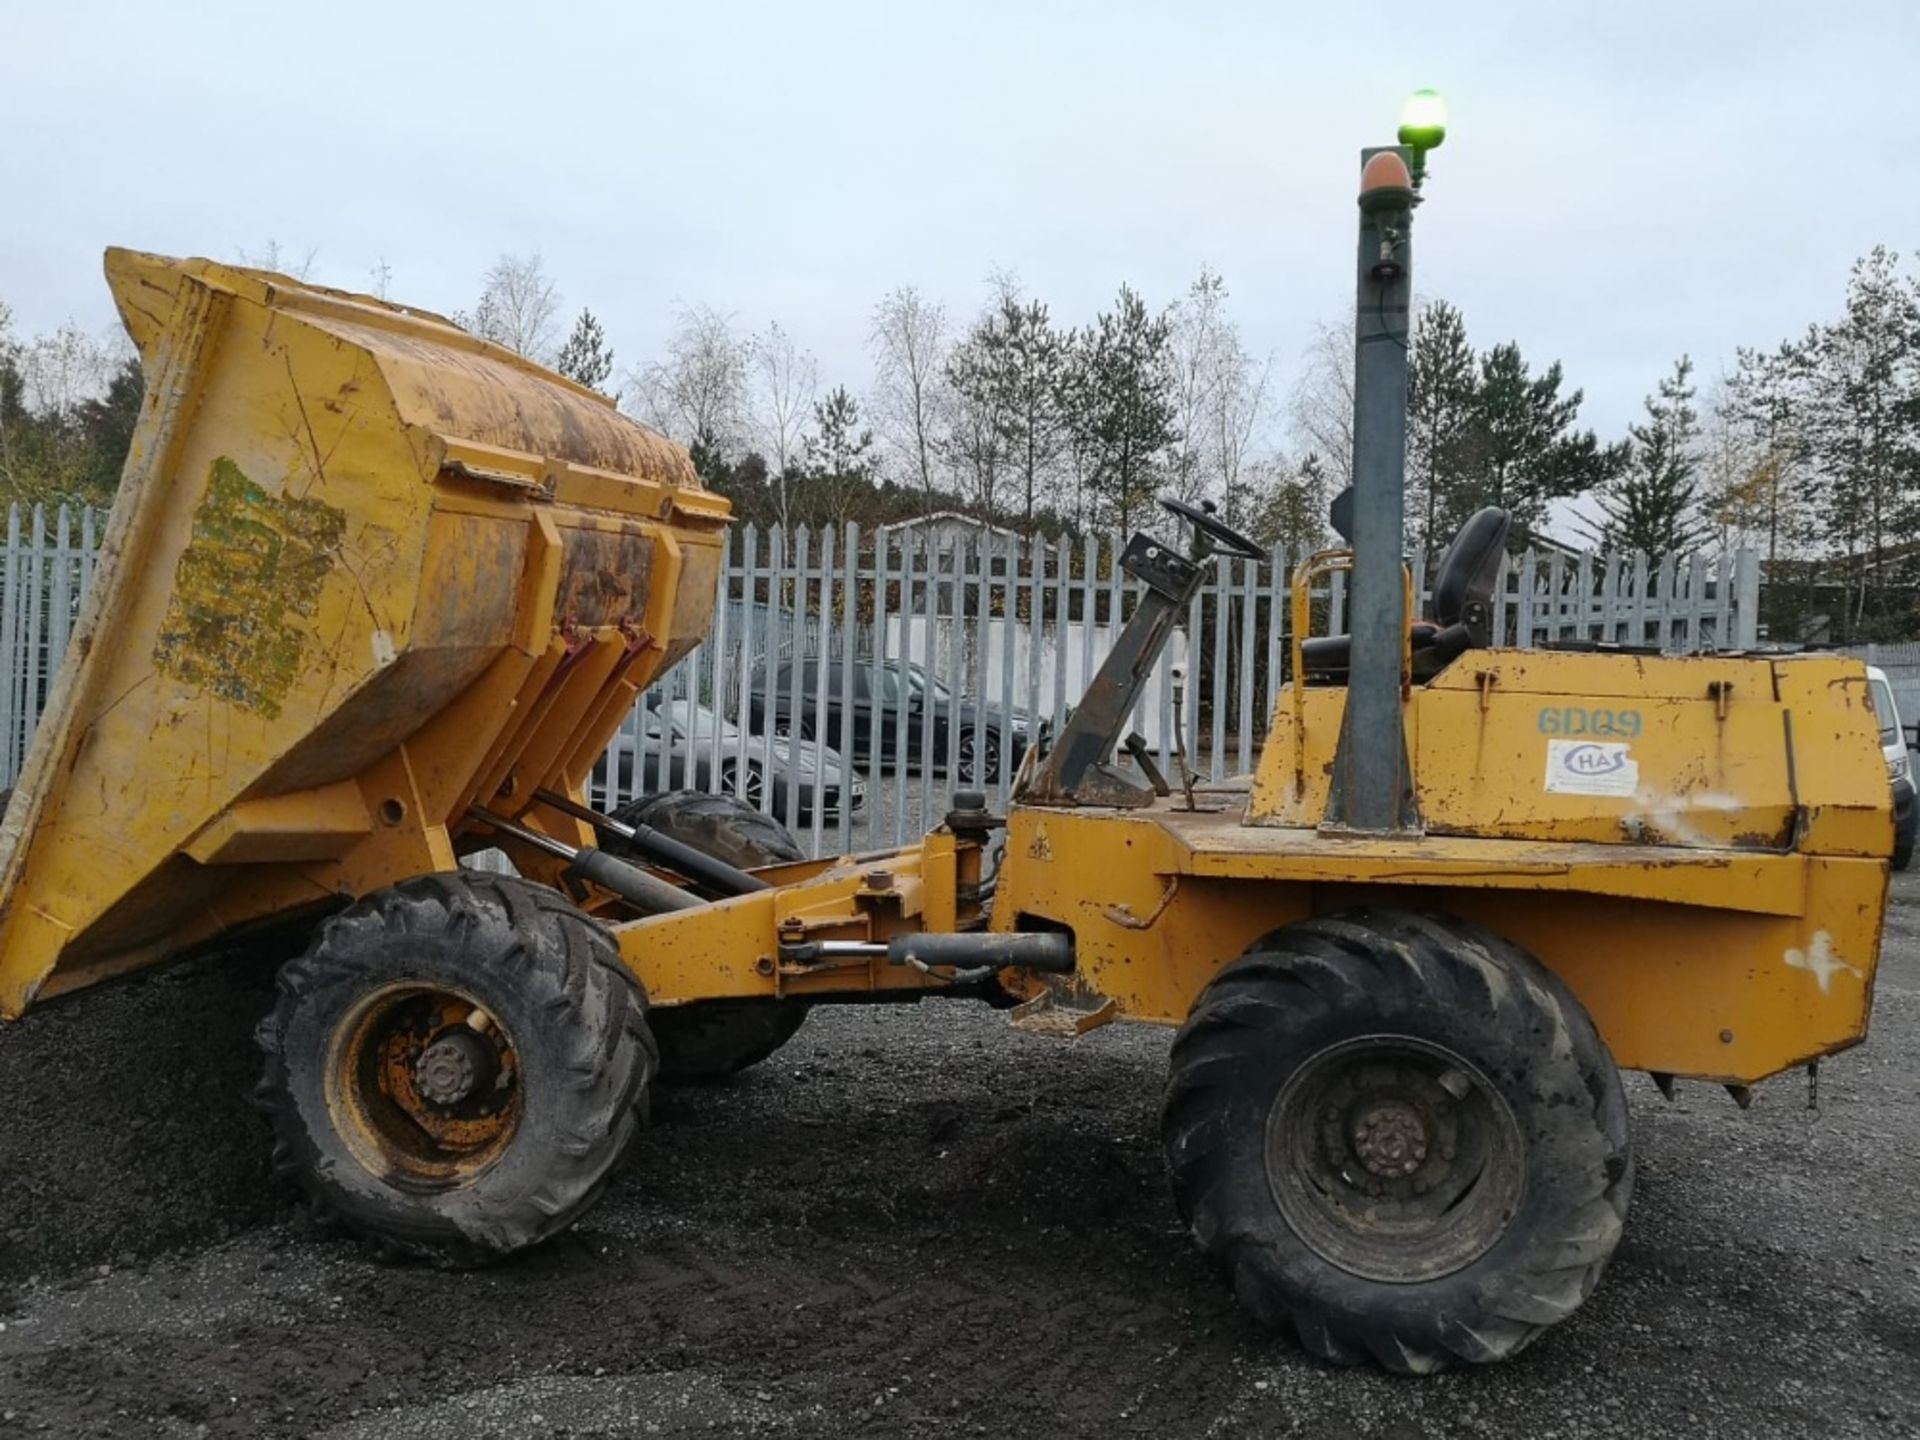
column 1078, row 770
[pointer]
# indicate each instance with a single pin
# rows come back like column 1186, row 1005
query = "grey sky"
column 1624, row 180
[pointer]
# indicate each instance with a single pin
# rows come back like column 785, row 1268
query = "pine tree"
column 106, row 426
column 1006, row 423
column 1652, row 505
column 1029, row 359
column 1526, row 452
column 1759, row 496
column 1442, row 388
column 839, row 459
column 1860, row 415
column 585, row 358
column 1123, row 409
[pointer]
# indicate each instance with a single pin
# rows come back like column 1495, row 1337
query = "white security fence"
column 932, row 668
column 46, row 568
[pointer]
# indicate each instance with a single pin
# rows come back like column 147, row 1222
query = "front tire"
column 1402, row 1137
column 456, row 1066
column 711, row 1039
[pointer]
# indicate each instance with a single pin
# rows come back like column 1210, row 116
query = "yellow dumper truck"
column 376, row 594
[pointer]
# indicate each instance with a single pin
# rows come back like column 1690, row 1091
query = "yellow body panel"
column 1719, row 918
column 355, row 556
column 1693, row 961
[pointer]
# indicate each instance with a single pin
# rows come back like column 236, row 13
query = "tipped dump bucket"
column 364, row 571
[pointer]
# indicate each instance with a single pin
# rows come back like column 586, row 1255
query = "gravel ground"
column 911, row 1222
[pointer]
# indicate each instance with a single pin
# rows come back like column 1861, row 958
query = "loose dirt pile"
column 125, row 1123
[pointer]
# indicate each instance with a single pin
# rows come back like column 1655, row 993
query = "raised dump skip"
column 363, row 572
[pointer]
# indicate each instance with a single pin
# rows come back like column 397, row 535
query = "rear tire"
column 711, row 1039
column 456, row 1066
column 1402, row 1137
column 979, row 756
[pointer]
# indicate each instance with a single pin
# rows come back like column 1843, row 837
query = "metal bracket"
column 1159, row 566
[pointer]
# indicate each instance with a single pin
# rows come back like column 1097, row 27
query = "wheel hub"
column 1394, row 1158
column 1390, row 1139
column 453, row 1067
column 426, row 1084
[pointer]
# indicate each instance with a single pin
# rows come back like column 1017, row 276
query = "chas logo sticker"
column 1591, row 767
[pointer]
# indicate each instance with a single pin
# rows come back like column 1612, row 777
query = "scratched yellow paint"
column 250, row 575
column 1728, row 751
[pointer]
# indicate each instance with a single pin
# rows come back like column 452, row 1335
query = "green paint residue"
column 254, row 567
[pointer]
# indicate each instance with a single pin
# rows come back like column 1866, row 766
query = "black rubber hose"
column 1050, row 951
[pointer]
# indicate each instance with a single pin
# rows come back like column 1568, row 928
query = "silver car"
column 682, row 744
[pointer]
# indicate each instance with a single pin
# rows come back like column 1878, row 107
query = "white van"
column 1893, row 743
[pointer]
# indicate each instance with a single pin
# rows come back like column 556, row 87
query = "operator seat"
column 1463, row 583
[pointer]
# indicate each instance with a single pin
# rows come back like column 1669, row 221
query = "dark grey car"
column 887, row 696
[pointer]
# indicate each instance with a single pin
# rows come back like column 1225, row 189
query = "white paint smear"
column 1820, row 961
column 1591, row 767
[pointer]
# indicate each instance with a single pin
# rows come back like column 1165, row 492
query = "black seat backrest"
column 1465, row 576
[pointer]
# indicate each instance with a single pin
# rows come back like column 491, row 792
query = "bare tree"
column 1198, row 326
column 1219, row 397
column 781, row 382
column 1323, row 402
column 973, row 431
column 62, row 371
column 909, row 346
column 1239, row 419
column 696, row 394
column 281, row 261
column 518, row 307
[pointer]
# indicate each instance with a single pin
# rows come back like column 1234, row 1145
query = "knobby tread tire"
column 1371, row 972
column 551, row 977
column 712, row 1039
column 722, row 826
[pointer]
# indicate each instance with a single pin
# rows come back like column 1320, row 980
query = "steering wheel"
column 1201, row 518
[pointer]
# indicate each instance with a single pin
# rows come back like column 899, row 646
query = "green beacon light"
column 1423, row 127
